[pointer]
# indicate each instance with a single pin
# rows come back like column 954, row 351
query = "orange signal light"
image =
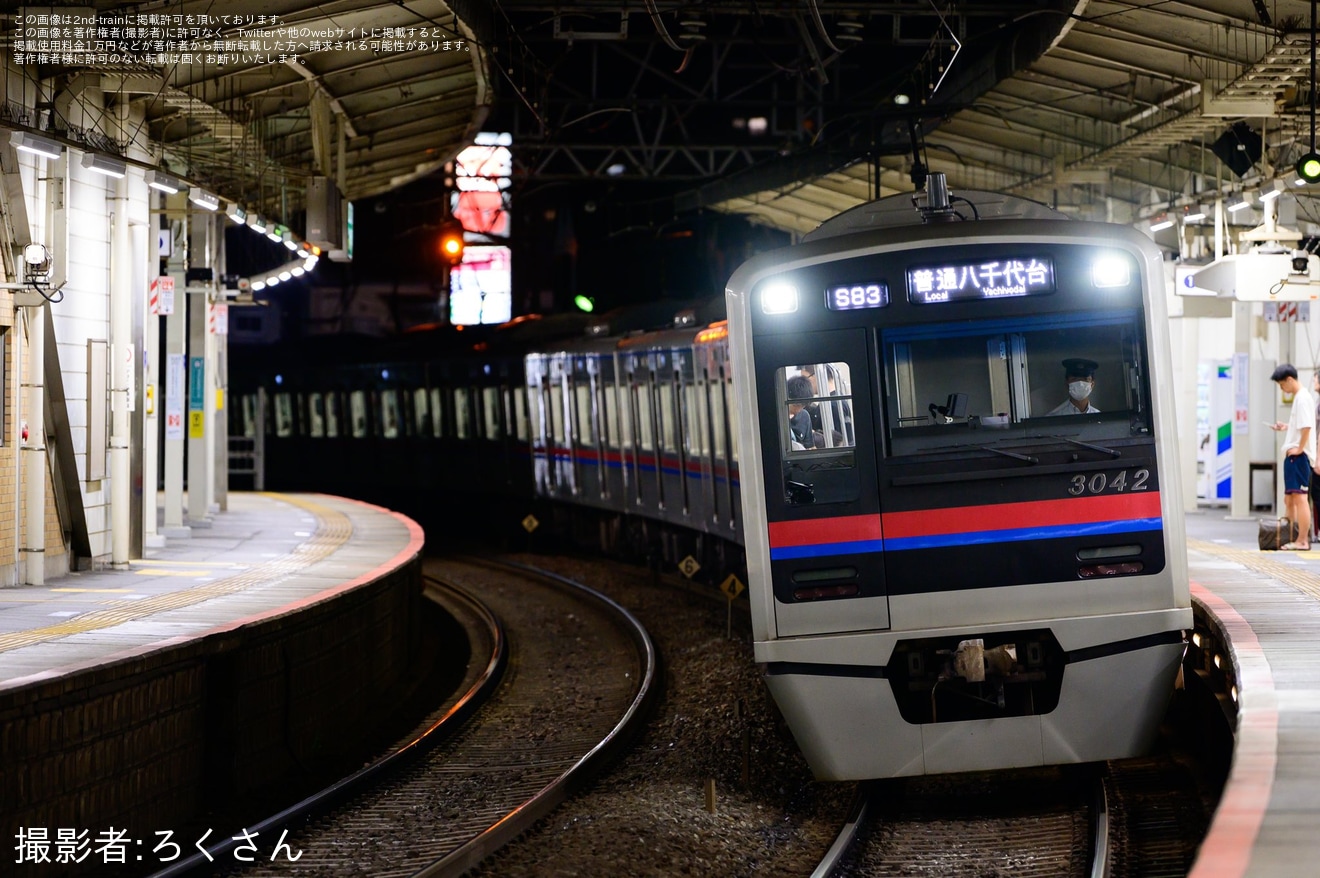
column 451, row 243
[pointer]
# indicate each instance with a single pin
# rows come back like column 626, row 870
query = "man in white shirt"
column 1079, row 381
column 1298, row 451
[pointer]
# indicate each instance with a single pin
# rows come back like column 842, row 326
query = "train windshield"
column 993, row 384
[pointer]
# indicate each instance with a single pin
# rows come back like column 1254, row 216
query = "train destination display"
column 983, row 279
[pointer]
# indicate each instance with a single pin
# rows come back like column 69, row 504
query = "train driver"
column 799, row 420
column 1079, row 379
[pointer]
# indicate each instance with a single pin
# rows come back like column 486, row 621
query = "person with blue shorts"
column 1298, row 451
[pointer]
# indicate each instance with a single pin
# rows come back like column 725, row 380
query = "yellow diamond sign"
column 689, row 566
column 530, row 523
column 732, row 587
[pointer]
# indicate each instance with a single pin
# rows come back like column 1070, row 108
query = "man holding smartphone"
column 1298, row 451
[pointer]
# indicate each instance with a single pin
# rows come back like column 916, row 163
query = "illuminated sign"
column 986, row 279
column 850, row 297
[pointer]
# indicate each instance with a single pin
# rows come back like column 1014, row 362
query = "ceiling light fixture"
column 104, row 164
column 1160, row 222
column 1271, row 190
column 36, row 144
column 236, row 213
column 204, row 199
column 165, row 183
column 1241, row 202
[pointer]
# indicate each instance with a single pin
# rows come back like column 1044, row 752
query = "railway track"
column 1135, row 818
column 577, row 678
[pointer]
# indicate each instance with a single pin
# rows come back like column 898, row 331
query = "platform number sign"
column 689, row 566
column 732, row 587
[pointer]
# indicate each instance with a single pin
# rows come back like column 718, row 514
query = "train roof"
column 904, row 210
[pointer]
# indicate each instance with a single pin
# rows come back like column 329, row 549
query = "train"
column 935, row 439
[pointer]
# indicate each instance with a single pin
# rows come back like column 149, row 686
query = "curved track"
column 531, row 737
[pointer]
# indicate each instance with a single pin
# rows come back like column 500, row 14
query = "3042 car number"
column 1109, row 483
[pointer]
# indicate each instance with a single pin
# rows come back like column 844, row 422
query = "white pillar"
column 1240, row 484
column 176, row 370
column 153, row 400
column 122, row 357
column 200, row 235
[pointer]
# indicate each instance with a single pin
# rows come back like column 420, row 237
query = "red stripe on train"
column 1033, row 513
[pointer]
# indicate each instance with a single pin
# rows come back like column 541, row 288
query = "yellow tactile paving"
column 333, row 529
column 1264, row 562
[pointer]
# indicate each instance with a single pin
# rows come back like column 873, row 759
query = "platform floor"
column 1269, row 602
column 266, row 554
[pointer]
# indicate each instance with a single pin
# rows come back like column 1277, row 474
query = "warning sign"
column 196, row 425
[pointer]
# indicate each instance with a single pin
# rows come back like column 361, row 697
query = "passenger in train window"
column 799, row 419
column 1079, row 380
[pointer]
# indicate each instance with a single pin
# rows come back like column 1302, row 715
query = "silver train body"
column 945, row 574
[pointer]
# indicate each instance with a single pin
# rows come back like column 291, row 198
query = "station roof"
column 786, row 111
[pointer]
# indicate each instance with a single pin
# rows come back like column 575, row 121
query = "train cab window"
column 955, row 385
column 421, row 412
column 490, row 412
column 357, row 413
column 586, row 432
column 520, row 412
column 817, row 405
column 332, row 415
column 462, row 413
column 389, row 413
column 316, row 415
column 283, row 414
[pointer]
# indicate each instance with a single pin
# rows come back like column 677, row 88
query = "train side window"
column 817, row 406
column 520, row 412
column 608, row 391
column 694, row 394
column 357, row 413
column 437, row 413
column 332, row 408
column 490, row 410
column 668, row 440
column 642, row 411
column 389, row 413
column 283, row 414
column 557, row 413
column 316, row 415
column 462, row 416
column 731, row 406
column 586, row 431
column 250, row 416
column 421, row 412
column 300, row 400
column 715, row 393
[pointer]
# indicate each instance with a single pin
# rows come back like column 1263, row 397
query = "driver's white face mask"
column 1079, row 390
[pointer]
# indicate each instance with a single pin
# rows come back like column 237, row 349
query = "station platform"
column 248, row 656
column 1268, row 604
column 266, row 554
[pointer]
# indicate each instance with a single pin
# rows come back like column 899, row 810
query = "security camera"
column 1301, row 262
column 37, row 260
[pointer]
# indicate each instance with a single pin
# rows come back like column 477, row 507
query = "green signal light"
column 1308, row 167
column 584, row 303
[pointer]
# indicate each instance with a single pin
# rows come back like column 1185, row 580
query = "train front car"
column 964, row 539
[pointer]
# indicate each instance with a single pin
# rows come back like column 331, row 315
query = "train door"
column 822, row 493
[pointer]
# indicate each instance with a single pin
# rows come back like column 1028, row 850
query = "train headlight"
column 779, row 298
column 1111, row 271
